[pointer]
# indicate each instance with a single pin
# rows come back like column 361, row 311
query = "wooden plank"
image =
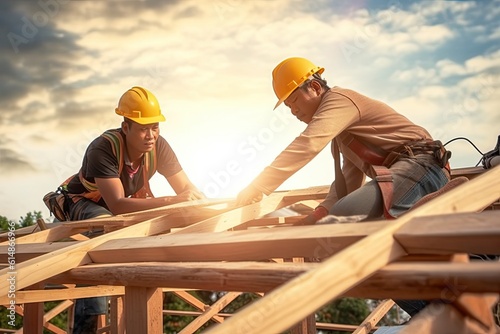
column 316, row 241
column 33, row 315
column 311, row 193
column 45, row 266
column 117, row 319
column 235, row 217
column 210, row 312
column 444, row 318
column 227, row 276
column 368, row 325
column 62, row 306
column 60, row 230
column 195, row 302
column 308, row 292
column 427, row 280
column 269, row 222
column 468, row 172
column 307, row 325
column 143, row 310
column 47, row 295
column 478, row 307
column 28, row 251
column 467, row 232
column 405, row 280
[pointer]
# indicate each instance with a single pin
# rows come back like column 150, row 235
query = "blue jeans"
column 87, row 309
column 413, row 178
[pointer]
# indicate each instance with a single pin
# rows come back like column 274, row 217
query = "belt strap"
column 384, row 181
column 340, row 185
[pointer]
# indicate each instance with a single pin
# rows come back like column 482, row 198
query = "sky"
column 64, row 65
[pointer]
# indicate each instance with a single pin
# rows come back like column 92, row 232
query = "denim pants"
column 413, row 178
column 87, row 309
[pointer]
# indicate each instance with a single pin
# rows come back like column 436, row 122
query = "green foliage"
column 5, row 223
column 61, row 320
column 8, row 318
column 349, row 311
column 30, row 218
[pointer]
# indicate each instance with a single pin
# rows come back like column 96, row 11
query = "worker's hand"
column 316, row 215
column 249, row 195
column 190, row 195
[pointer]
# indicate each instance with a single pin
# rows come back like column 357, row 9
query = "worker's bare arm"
column 113, row 194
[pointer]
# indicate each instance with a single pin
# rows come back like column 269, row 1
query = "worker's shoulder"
column 341, row 92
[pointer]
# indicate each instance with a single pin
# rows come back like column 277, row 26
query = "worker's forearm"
column 127, row 205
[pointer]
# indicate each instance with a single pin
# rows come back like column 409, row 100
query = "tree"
column 30, row 218
column 5, row 223
column 349, row 311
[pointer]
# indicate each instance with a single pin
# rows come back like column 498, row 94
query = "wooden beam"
column 43, row 267
column 444, row 318
column 56, row 310
column 210, row 312
column 195, row 302
column 143, row 310
column 467, row 232
column 47, row 295
column 308, row 292
column 405, row 280
column 368, row 325
column 307, row 325
column 117, row 319
column 478, row 307
column 33, row 315
column 28, row 251
column 316, row 241
column 468, row 172
column 311, row 193
column 60, row 230
column 427, row 280
column 235, row 217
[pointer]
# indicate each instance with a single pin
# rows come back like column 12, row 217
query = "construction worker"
column 114, row 178
column 401, row 158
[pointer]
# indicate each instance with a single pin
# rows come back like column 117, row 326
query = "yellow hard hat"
column 140, row 105
column 290, row 74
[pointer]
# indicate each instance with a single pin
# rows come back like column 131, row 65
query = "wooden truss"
column 215, row 246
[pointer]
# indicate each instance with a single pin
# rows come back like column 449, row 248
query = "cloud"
column 12, row 163
column 210, row 62
column 35, row 57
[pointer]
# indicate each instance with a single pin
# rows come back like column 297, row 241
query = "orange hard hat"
column 290, row 74
column 140, row 105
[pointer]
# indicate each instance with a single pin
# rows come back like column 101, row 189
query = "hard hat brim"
column 148, row 120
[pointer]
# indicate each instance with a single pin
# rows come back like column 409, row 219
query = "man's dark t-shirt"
column 99, row 161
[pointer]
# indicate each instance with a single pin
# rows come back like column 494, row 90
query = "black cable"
column 452, row 140
column 470, row 142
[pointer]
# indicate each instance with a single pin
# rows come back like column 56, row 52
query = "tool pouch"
column 56, row 203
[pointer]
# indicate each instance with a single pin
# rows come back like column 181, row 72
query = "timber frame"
column 213, row 245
